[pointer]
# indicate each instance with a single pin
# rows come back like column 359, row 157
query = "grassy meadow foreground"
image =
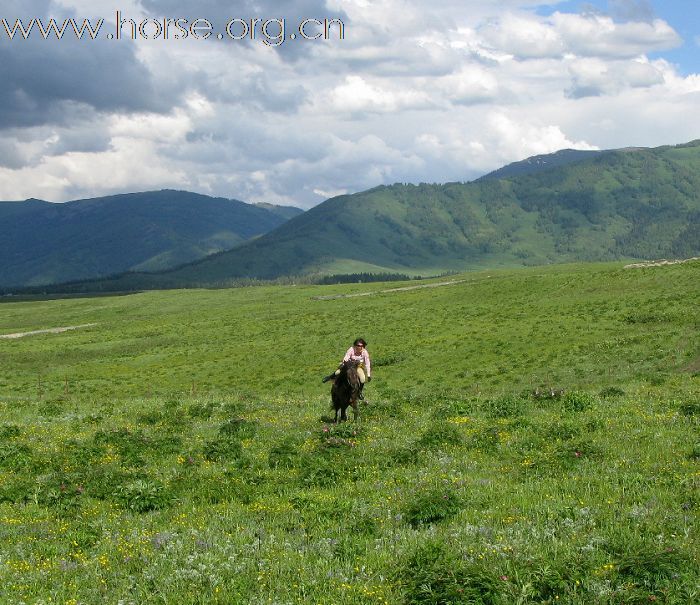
column 530, row 436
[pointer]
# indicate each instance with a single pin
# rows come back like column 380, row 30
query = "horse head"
column 349, row 370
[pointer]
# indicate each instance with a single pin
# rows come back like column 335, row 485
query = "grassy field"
column 530, row 436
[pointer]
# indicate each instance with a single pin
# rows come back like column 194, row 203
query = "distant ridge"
column 286, row 212
column 43, row 243
column 630, row 204
column 537, row 163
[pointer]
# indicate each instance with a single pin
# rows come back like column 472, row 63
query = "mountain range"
column 570, row 206
column 43, row 243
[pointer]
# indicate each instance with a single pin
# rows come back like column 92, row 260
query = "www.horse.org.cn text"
column 271, row 32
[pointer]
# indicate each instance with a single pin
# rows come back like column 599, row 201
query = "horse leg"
column 355, row 409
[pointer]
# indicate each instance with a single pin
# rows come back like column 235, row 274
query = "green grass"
column 529, row 437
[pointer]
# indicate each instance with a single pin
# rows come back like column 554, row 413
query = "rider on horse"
column 357, row 352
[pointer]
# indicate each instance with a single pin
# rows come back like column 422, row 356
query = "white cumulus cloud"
column 417, row 91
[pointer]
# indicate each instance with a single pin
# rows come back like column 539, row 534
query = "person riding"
column 357, row 352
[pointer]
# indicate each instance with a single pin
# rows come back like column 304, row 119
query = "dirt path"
column 47, row 331
column 403, row 289
column 660, row 263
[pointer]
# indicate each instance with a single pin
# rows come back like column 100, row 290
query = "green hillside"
column 628, row 204
column 43, row 243
column 529, row 436
column 539, row 163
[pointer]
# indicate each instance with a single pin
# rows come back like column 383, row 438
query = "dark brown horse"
column 346, row 390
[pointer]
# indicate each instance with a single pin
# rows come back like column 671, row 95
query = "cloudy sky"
column 416, row 91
